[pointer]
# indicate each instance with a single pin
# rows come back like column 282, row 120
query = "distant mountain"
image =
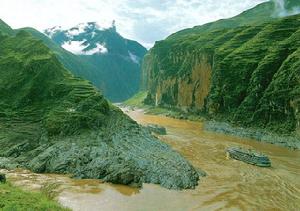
column 115, row 62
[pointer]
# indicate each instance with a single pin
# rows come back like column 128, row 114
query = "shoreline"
column 290, row 142
column 287, row 141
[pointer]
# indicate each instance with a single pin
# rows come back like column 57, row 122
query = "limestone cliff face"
column 189, row 91
column 248, row 75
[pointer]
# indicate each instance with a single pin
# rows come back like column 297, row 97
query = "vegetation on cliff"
column 249, row 73
column 74, row 63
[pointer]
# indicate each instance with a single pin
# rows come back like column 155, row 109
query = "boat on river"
column 249, row 156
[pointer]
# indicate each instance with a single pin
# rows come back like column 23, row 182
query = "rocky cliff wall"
column 248, row 75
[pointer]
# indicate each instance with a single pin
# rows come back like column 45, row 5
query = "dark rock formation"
column 2, row 178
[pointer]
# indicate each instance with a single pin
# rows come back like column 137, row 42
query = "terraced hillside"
column 248, row 75
column 51, row 121
column 74, row 63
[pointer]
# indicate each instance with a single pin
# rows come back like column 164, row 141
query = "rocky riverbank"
column 259, row 135
column 123, row 153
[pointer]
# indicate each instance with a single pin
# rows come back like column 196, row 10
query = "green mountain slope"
column 51, row 121
column 72, row 62
column 248, row 75
column 260, row 14
column 5, row 29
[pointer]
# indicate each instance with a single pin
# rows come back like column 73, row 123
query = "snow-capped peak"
column 51, row 31
column 82, row 39
column 88, row 28
column 80, row 28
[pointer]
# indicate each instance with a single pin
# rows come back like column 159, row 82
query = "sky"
column 145, row 21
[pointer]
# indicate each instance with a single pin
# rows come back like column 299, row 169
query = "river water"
column 229, row 185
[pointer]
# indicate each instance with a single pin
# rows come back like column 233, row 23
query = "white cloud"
column 141, row 20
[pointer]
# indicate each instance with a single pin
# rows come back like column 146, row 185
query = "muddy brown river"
column 229, row 185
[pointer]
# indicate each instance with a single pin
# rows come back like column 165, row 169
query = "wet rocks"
column 159, row 130
column 2, row 178
column 249, row 156
column 123, row 152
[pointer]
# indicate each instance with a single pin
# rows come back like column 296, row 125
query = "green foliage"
column 243, row 78
column 15, row 199
column 67, row 119
column 137, row 100
column 50, row 190
column 71, row 62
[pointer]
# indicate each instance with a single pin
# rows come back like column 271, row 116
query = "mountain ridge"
column 259, row 14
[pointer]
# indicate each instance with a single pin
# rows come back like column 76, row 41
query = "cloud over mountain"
column 143, row 20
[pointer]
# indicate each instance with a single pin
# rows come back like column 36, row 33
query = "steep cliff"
column 51, row 121
column 247, row 74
